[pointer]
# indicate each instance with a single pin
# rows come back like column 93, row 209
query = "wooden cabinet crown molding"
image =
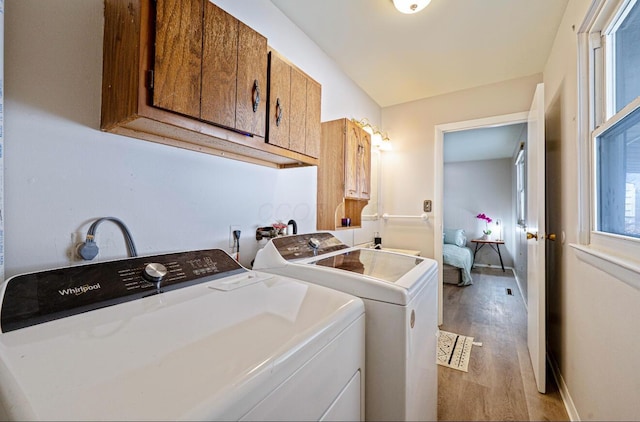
column 149, row 94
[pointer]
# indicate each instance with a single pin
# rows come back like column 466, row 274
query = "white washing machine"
column 189, row 335
column 400, row 295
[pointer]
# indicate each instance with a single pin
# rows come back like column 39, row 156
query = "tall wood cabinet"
column 188, row 74
column 294, row 107
column 344, row 174
column 357, row 184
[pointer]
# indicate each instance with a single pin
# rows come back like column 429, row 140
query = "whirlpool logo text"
column 79, row 290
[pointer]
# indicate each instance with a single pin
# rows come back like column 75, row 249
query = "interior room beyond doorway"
column 474, row 130
column 479, row 195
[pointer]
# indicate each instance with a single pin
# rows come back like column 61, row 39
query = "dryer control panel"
column 34, row 298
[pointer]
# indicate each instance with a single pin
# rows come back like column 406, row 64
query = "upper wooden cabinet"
column 294, row 108
column 209, row 65
column 357, row 152
column 313, row 134
column 188, row 74
column 251, row 74
column 279, row 107
column 178, row 56
column 344, row 174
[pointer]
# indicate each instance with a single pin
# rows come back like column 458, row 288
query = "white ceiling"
column 483, row 144
column 449, row 46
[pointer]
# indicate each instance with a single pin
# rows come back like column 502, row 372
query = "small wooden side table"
column 494, row 244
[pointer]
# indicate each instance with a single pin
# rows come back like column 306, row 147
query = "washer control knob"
column 154, row 273
column 314, row 243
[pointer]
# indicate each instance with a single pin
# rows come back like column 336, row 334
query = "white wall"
column 474, row 187
column 408, row 170
column 593, row 317
column 62, row 172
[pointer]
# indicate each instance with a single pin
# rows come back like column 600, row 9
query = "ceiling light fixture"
column 410, row 6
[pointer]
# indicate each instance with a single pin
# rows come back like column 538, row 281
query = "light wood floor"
column 500, row 383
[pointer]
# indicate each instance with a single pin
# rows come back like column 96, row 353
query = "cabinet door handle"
column 278, row 112
column 256, row 95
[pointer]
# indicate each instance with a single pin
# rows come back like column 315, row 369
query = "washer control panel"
column 39, row 297
column 307, row 245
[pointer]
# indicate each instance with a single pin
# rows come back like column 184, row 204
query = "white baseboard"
column 491, row 266
column 557, row 375
column 515, row 275
column 564, row 390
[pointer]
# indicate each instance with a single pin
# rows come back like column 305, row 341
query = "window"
column 626, row 56
column 521, row 194
column 610, row 139
column 617, row 152
column 615, row 138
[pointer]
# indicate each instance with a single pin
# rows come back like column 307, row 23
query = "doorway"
column 439, row 208
column 535, row 221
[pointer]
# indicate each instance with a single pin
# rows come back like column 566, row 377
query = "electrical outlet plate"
column 231, row 229
column 426, row 205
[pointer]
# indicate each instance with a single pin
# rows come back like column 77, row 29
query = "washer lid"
column 388, row 267
column 200, row 352
column 374, row 274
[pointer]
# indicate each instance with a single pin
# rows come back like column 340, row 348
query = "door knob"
column 551, row 237
column 532, row 236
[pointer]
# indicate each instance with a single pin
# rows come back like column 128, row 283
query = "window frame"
column 613, row 253
column 521, row 187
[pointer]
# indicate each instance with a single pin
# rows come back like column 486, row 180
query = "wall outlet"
column 426, row 205
column 231, row 229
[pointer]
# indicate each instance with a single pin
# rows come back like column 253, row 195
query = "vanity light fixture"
column 379, row 139
column 410, row 6
column 376, row 139
column 385, row 145
column 365, row 125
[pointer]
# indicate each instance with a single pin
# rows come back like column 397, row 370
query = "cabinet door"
column 313, row 125
column 280, row 107
column 251, row 99
column 178, row 52
column 219, row 67
column 364, row 167
column 298, row 110
column 351, row 161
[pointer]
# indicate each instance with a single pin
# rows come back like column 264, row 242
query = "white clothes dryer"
column 400, row 296
column 189, row 335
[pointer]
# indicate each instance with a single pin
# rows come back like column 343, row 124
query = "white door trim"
column 438, row 165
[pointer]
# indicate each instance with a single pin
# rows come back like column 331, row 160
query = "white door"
column 535, row 220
